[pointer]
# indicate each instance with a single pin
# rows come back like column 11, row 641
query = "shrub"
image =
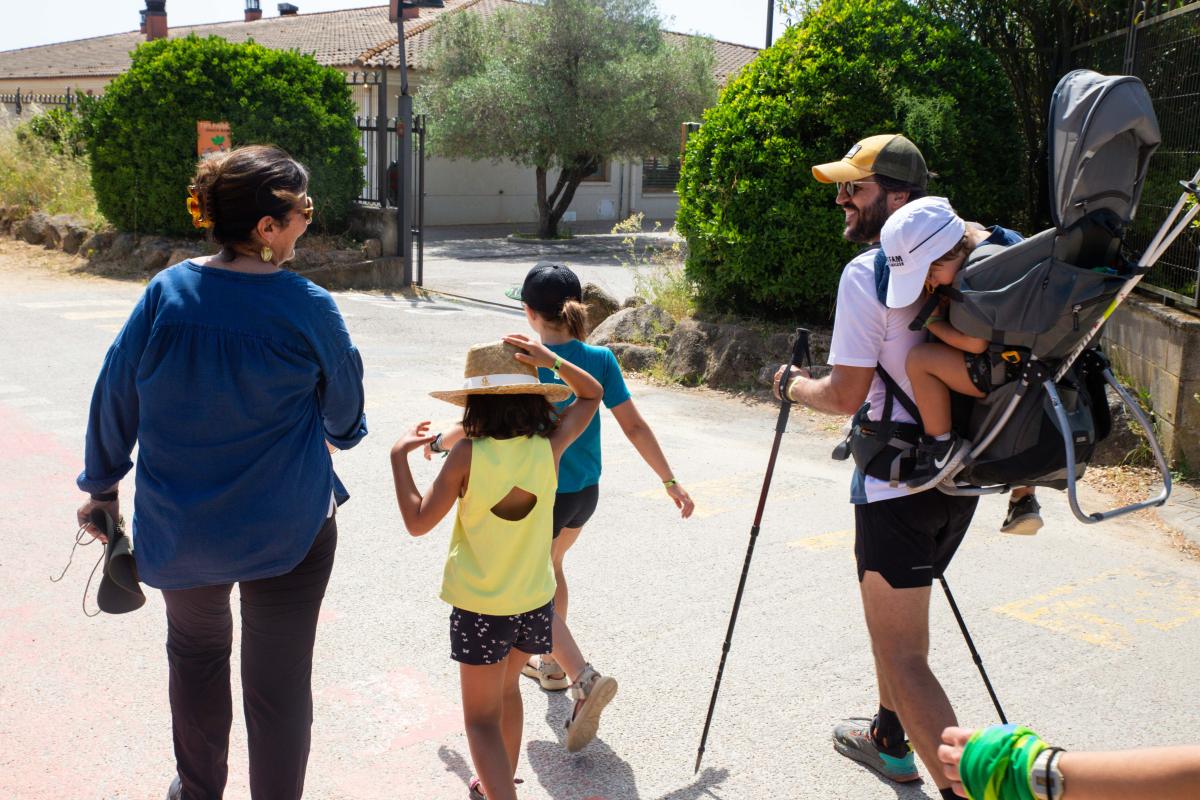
column 62, row 130
column 765, row 237
column 143, row 130
column 37, row 175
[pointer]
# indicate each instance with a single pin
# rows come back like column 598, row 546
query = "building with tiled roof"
column 348, row 39
column 364, row 39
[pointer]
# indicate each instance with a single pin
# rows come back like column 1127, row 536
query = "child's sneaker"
column 852, row 738
column 1024, row 516
column 591, row 692
column 937, row 459
column 547, row 673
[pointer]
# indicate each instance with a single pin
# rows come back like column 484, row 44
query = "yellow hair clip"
column 196, row 210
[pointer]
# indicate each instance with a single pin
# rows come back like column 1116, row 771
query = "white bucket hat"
column 915, row 236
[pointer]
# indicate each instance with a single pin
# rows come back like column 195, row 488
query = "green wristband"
column 558, row 362
column 996, row 763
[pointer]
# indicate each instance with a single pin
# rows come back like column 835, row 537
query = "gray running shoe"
column 852, row 738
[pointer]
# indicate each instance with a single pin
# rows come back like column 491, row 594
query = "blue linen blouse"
column 230, row 384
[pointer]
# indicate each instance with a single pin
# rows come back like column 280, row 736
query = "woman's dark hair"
column 238, row 188
column 892, row 185
column 507, row 416
column 572, row 316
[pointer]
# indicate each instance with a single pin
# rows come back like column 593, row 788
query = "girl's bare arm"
column 422, row 513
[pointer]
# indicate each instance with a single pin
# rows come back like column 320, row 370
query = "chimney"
column 156, row 20
column 142, row 16
column 253, row 10
column 288, row 10
column 411, row 11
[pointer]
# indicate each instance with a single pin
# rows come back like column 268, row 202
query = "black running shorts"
column 574, row 509
column 910, row 540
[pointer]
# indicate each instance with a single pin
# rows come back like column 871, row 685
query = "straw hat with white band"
column 492, row 369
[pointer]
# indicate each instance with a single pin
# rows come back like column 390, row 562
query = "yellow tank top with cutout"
column 498, row 566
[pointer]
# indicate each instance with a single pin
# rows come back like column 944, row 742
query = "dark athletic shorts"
column 479, row 639
column 910, row 540
column 574, row 509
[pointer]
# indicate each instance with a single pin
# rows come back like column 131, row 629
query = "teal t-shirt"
column 579, row 466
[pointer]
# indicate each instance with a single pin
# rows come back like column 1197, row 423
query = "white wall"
column 461, row 192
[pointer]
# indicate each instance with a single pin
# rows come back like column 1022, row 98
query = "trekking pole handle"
column 800, row 355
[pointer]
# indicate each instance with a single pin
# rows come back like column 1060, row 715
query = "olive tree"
column 563, row 85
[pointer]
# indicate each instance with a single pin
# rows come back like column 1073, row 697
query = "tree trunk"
column 551, row 207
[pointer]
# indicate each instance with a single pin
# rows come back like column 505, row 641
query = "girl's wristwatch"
column 436, row 445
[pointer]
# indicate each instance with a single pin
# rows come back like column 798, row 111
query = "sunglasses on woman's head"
column 307, row 211
column 850, row 187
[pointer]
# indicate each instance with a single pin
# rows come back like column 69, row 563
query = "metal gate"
column 381, row 137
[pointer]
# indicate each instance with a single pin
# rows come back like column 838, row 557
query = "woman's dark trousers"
column 279, row 626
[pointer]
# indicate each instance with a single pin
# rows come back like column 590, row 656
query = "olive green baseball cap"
column 890, row 154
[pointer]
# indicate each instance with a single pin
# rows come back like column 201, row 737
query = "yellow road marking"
column 1106, row 610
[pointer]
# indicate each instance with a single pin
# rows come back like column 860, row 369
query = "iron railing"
column 19, row 102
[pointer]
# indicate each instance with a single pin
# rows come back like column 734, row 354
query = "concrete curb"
column 1182, row 512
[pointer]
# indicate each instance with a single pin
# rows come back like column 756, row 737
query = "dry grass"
column 33, row 176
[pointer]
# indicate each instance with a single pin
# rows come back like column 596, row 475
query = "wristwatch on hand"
column 104, row 497
column 1045, row 779
column 436, row 445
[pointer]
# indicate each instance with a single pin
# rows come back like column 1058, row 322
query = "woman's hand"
column 84, row 516
column 415, row 437
column 683, row 501
column 950, row 754
column 535, row 352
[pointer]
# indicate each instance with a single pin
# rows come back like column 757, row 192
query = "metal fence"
column 1159, row 41
column 19, row 102
column 369, row 92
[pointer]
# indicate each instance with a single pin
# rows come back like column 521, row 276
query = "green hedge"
column 143, row 130
column 764, row 237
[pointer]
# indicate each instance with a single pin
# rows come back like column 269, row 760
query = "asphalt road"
column 1089, row 633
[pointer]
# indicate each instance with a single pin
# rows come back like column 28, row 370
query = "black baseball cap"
column 547, row 286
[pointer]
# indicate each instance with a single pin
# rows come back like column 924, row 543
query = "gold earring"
column 266, row 254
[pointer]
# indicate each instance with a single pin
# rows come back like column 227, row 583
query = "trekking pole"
column 800, row 352
column 971, row 646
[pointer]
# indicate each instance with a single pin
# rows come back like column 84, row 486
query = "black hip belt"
column 882, row 449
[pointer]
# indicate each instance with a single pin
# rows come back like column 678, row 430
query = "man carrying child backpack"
column 904, row 538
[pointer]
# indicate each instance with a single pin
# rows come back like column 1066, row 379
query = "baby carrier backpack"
column 1040, row 303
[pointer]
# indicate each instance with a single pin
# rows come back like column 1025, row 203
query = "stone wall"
column 114, row 252
column 1158, row 349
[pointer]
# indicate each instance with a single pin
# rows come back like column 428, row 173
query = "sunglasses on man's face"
column 851, row 187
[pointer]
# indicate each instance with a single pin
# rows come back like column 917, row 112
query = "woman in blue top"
column 237, row 380
column 553, row 303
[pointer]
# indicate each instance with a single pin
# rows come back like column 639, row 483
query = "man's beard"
column 869, row 222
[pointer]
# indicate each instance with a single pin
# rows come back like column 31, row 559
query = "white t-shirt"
column 866, row 333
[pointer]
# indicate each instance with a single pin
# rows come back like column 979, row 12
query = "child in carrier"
column 926, row 244
column 498, row 576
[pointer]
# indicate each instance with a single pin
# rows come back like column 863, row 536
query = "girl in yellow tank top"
column 499, row 577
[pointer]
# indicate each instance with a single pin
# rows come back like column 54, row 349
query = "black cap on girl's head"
column 547, row 286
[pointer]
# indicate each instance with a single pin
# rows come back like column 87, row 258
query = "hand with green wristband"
column 1010, row 762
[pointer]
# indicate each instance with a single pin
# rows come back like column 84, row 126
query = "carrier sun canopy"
column 1102, row 133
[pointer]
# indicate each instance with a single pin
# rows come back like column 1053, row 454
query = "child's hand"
column 416, row 436
column 535, row 353
column 683, row 501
